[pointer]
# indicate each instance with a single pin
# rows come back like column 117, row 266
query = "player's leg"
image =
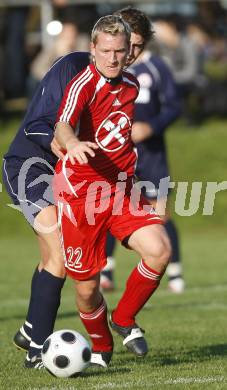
column 152, row 244
column 150, row 241
column 49, row 283
column 49, row 278
column 10, row 173
column 93, row 313
column 50, row 261
column 84, row 261
column 107, row 274
column 174, row 270
column 146, row 160
column 22, row 337
column 26, row 328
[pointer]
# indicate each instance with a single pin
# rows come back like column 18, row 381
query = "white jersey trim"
column 99, row 85
column 73, row 94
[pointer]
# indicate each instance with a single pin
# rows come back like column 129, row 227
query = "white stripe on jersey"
column 99, row 85
column 74, row 89
column 70, row 93
column 76, row 94
column 125, row 79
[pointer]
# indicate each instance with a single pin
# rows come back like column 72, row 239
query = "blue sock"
column 174, row 240
column 110, row 244
column 45, row 306
column 26, row 328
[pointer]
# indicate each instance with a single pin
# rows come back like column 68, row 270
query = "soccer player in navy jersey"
column 157, row 106
column 35, row 140
column 99, row 104
column 32, row 149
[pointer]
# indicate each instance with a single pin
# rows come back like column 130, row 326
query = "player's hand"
column 141, row 131
column 79, row 149
column 56, row 149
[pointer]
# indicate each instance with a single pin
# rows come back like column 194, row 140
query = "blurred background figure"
column 180, row 52
column 66, row 41
column 2, row 25
column 214, row 95
column 14, row 58
column 208, row 93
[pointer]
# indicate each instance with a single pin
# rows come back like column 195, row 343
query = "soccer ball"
column 66, row 353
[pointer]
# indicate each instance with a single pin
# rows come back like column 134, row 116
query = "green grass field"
column 187, row 334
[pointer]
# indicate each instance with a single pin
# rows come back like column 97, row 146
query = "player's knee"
column 88, row 295
column 165, row 252
column 55, row 265
column 160, row 252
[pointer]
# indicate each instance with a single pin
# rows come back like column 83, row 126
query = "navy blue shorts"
column 152, row 168
column 29, row 184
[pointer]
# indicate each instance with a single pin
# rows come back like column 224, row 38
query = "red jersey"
column 102, row 111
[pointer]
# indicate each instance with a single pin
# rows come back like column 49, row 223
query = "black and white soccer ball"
column 66, row 353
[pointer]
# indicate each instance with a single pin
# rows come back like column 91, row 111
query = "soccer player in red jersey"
column 41, row 316
column 94, row 191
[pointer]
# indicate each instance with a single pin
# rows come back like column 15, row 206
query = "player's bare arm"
column 75, row 148
column 56, row 149
column 141, row 131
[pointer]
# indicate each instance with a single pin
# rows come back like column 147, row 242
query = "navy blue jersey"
column 157, row 104
column 37, row 130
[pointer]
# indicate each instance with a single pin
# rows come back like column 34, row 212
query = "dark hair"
column 138, row 22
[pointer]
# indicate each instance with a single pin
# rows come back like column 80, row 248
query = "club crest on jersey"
column 113, row 132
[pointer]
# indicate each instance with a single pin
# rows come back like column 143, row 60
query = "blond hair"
column 111, row 24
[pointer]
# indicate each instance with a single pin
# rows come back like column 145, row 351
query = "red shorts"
column 84, row 232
